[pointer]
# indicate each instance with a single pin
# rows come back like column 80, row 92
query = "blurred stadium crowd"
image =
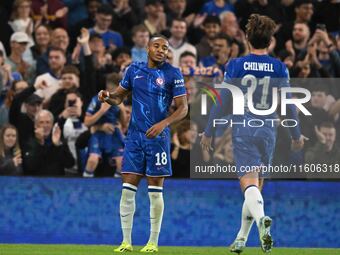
column 55, row 55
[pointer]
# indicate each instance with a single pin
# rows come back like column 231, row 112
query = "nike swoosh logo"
column 125, row 215
column 138, row 77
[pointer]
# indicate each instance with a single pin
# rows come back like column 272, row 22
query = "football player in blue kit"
column 253, row 145
column 154, row 85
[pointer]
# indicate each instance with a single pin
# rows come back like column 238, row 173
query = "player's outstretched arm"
column 113, row 98
column 181, row 111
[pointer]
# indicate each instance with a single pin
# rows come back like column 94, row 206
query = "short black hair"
column 298, row 3
column 89, row 1
column 105, row 9
column 319, row 87
column 95, row 36
column 179, row 20
column 327, row 124
column 119, row 51
column 212, row 20
column 187, row 53
column 153, row 37
column 224, row 37
column 53, row 48
column 70, row 69
column 152, row 2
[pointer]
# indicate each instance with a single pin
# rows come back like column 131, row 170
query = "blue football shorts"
column 145, row 156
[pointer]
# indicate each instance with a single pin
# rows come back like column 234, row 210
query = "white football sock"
column 254, row 201
column 127, row 210
column 246, row 223
column 156, row 212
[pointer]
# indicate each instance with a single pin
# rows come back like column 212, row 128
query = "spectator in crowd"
column 21, row 20
column 56, row 62
column 102, row 60
column 320, row 104
column 304, row 11
column 187, row 60
column 121, row 58
column 5, row 74
column 184, row 144
column 100, row 57
column 155, row 20
column 297, row 46
column 220, row 53
column 325, row 151
column 175, row 9
column 327, row 54
column 69, row 81
column 71, row 78
column 216, row 7
column 231, row 28
column 287, row 10
column 42, row 35
column 10, row 153
column 272, row 9
column 59, row 39
column 177, row 40
column 88, row 22
column 16, row 88
column 51, row 12
column 107, row 144
column 170, row 57
column 123, row 19
column 32, row 104
column 112, row 40
column 140, row 38
column 92, row 8
column 212, row 27
column 72, row 126
column 76, row 11
column 223, row 153
column 45, row 153
column 19, row 41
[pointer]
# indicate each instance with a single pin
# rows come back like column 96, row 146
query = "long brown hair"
column 2, row 143
column 15, row 7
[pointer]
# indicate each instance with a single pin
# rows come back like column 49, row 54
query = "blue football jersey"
column 262, row 73
column 111, row 116
column 153, row 90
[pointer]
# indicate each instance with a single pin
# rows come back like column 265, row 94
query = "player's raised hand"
column 155, row 130
column 103, row 95
column 205, row 142
column 297, row 145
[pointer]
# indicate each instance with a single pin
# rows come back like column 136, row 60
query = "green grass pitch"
column 21, row 249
